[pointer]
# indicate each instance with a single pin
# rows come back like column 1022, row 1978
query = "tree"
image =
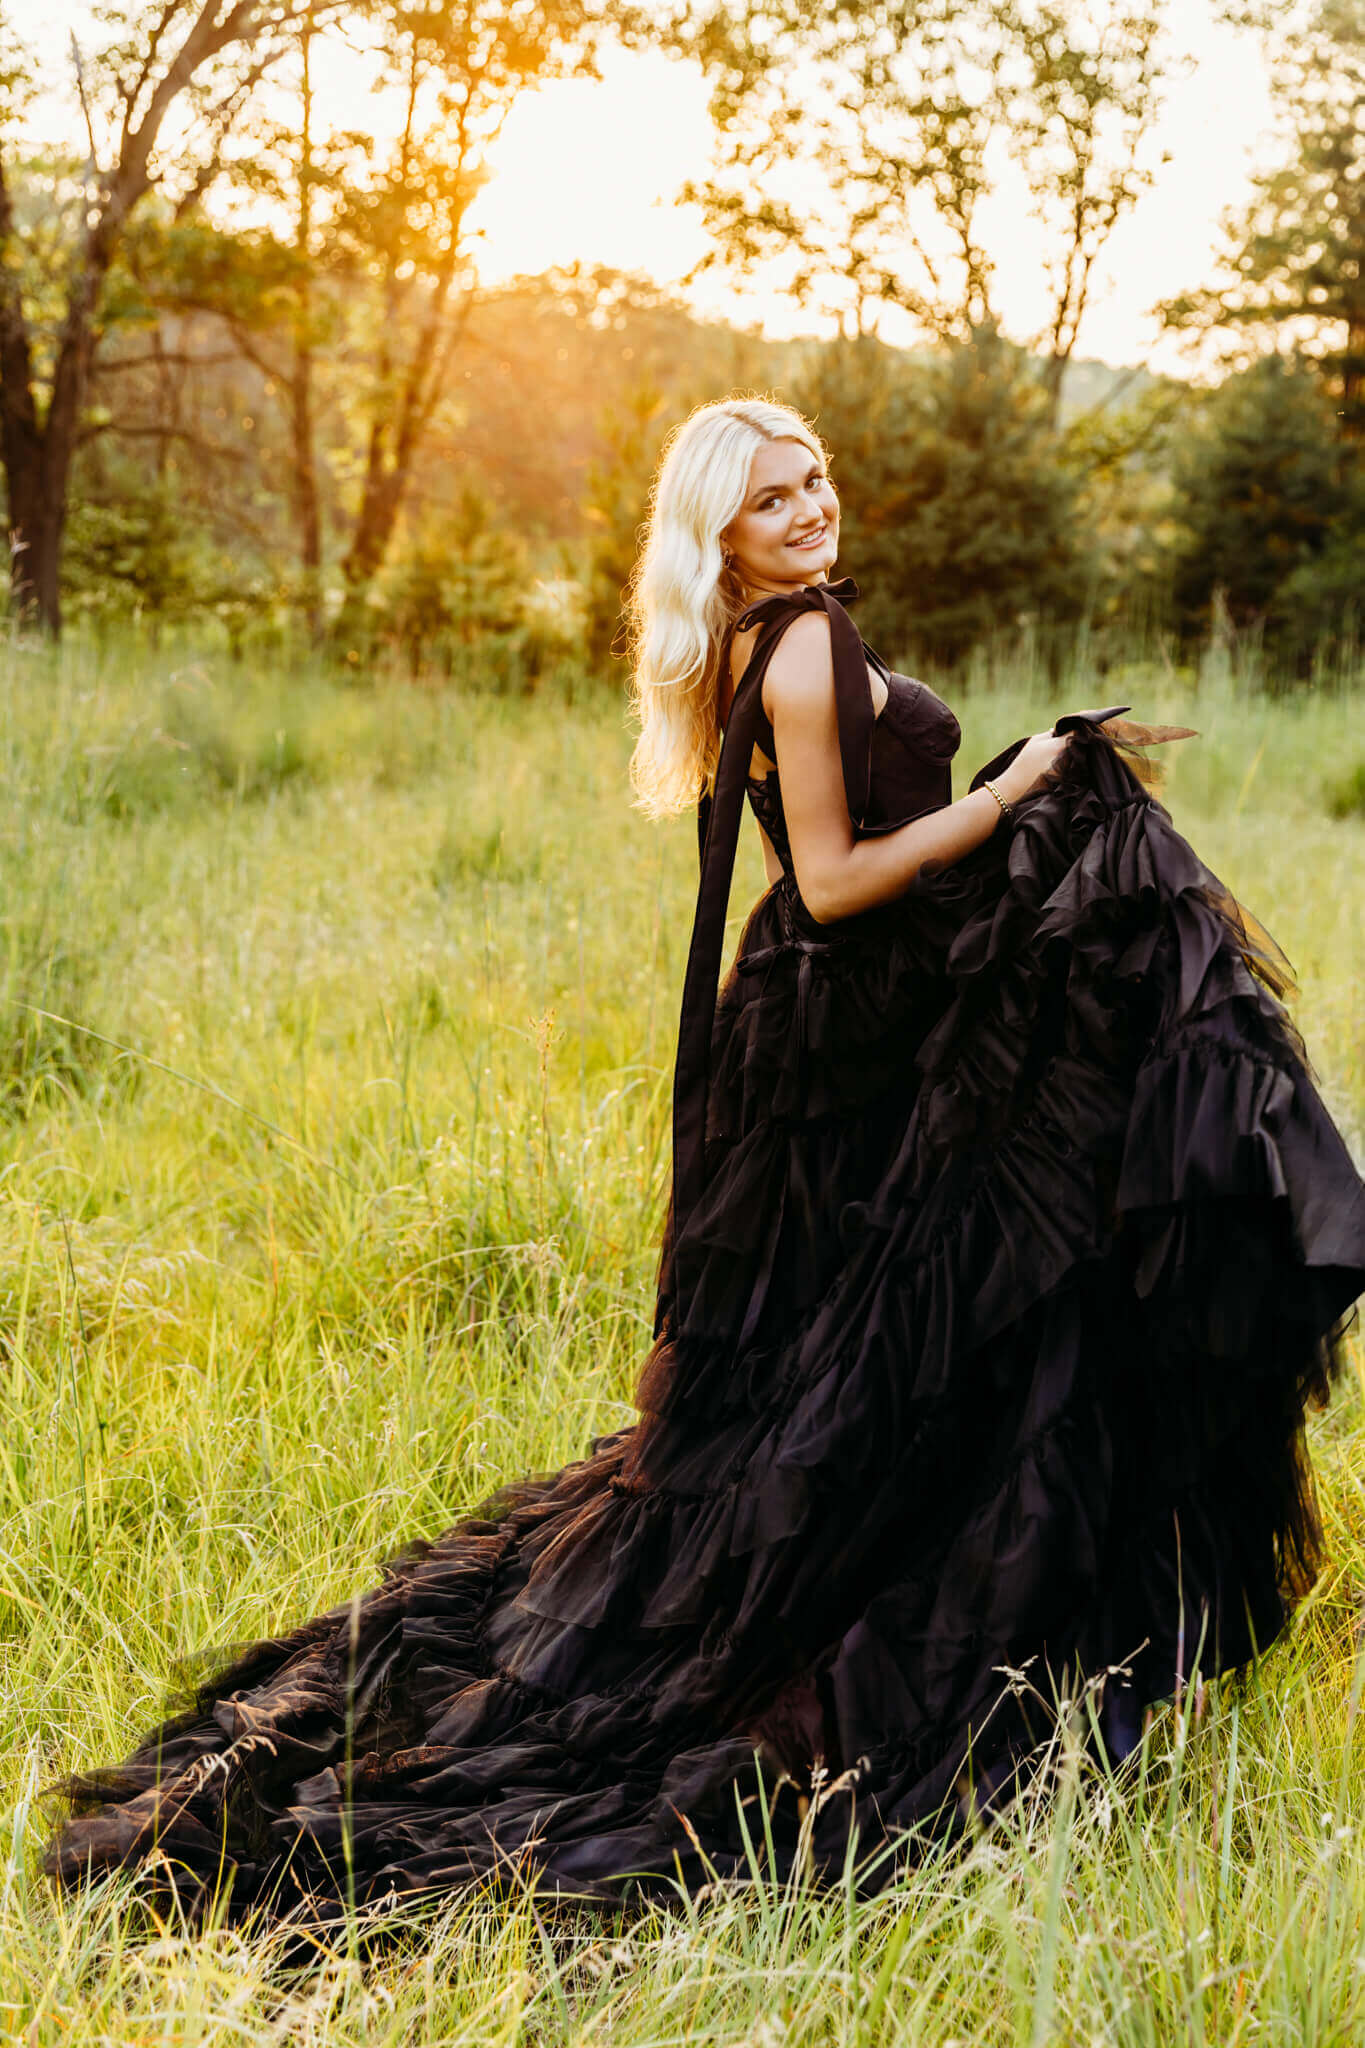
column 618, row 490
column 236, row 316
column 1082, row 93
column 279, row 286
column 303, row 335
column 669, row 381
column 958, row 519
column 1122, row 448
column 459, row 68
column 1293, row 262
column 860, row 144
column 463, row 579
column 1260, row 491
column 181, row 69
column 398, row 233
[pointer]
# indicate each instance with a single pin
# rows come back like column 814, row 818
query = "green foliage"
column 1264, row 496
column 1320, row 607
column 1119, row 443
column 1294, row 258
column 618, row 496
column 958, row 514
column 461, row 579
column 281, row 382
column 45, row 983
column 1345, row 793
column 133, row 554
column 185, row 264
column 903, row 118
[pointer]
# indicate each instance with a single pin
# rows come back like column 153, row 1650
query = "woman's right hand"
column 1031, row 765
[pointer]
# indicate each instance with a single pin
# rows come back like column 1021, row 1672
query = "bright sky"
column 589, row 170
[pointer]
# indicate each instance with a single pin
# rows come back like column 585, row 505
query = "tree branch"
column 248, row 349
column 131, row 94
column 84, row 98
column 158, row 431
column 168, row 359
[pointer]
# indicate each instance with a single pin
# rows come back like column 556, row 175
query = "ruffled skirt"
column 1024, row 1244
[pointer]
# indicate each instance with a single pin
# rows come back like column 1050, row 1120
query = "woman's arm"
column 837, row 874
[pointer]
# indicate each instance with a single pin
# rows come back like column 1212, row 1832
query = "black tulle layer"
column 1024, row 1240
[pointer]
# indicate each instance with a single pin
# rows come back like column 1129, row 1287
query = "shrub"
column 1345, row 794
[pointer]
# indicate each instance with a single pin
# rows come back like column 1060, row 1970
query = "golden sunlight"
column 587, row 170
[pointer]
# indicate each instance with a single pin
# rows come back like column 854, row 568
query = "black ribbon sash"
column 718, row 823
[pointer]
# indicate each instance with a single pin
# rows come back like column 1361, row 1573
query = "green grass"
column 341, row 1208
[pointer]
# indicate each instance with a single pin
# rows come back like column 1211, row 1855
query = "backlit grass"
column 334, row 1071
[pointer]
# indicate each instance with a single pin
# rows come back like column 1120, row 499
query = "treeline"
column 1147, row 510
column 253, row 378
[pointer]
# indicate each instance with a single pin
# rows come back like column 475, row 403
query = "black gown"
column 1008, row 1242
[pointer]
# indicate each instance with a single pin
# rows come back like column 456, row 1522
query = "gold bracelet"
column 1007, row 808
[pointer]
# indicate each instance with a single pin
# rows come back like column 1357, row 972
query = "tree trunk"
column 34, row 547
column 38, row 509
column 35, row 541
column 1353, row 382
column 38, row 474
column 397, row 434
column 306, row 514
column 38, row 458
column 385, row 484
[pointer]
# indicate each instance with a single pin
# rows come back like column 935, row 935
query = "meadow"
column 334, row 1070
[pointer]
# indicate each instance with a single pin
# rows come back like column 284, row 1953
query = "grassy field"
column 340, row 1208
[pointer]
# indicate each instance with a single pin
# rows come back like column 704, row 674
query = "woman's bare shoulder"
column 800, row 677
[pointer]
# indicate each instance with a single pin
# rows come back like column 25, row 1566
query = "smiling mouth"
column 810, row 539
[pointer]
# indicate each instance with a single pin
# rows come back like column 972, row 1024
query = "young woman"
column 1006, row 1245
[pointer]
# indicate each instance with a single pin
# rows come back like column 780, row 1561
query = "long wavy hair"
column 684, row 596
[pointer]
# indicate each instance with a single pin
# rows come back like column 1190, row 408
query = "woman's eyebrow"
column 767, row 490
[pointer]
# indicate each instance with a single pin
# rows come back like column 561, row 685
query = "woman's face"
column 787, row 530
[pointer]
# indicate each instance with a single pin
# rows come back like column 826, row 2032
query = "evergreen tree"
column 1260, row 491
column 462, row 579
column 958, row 517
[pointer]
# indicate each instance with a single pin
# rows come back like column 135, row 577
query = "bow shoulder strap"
column 718, row 822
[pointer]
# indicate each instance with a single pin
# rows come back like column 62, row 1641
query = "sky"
column 590, row 170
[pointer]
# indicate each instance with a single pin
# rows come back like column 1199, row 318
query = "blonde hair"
column 683, row 596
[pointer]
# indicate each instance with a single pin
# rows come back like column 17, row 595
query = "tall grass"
column 334, row 1067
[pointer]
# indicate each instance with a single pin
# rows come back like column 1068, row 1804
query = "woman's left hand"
column 1032, row 765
